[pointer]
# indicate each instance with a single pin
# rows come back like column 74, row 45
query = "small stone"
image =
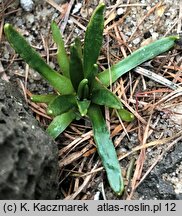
column 36, row 76
column 6, row 55
column 168, row 14
column 148, row 8
column 136, row 41
column 27, row 5
column 120, row 11
column 155, row 35
column 30, row 18
column 77, row 8
column 70, row 21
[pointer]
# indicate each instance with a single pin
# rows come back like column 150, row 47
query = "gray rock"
column 28, row 156
column 155, row 185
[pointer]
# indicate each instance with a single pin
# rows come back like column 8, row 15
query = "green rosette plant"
column 81, row 89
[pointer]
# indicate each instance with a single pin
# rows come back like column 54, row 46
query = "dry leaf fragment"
column 160, row 10
column 111, row 17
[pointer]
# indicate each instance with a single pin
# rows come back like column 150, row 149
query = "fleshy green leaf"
column 61, row 104
column 125, row 115
column 61, row 83
column 103, row 96
column 43, row 98
column 106, row 149
column 60, row 123
column 83, row 106
column 76, row 67
column 62, row 57
column 78, row 46
column 95, row 69
column 86, row 92
column 81, row 89
column 93, row 75
column 93, row 40
column 141, row 55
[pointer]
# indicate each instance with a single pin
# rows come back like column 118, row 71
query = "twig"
column 77, row 23
column 175, row 23
column 85, row 183
column 63, row 26
column 153, row 76
column 172, row 95
column 77, row 180
column 74, row 156
column 55, row 5
column 140, row 160
column 77, row 141
column 135, row 113
column 153, row 143
column 137, row 148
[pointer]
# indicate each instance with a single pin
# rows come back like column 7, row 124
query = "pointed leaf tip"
column 62, row 57
column 61, row 83
column 93, row 40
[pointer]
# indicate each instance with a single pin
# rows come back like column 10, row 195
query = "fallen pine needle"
column 84, row 184
column 157, row 78
column 153, row 143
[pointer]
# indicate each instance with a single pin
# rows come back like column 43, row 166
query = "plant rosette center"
column 81, row 88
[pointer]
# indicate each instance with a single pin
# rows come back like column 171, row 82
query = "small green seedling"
column 81, row 89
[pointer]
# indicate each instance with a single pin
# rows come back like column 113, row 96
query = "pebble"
column 30, row 18
column 34, row 75
column 120, row 11
column 136, row 41
column 77, row 8
column 27, row 5
column 155, row 35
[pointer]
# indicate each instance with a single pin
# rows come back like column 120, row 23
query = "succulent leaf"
column 106, row 149
column 80, row 75
column 61, row 83
column 103, row 96
column 60, row 123
column 43, row 98
column 83, row 106
column 93, row 40
column 62, row 57
column 78, row 46
column 76, row 67
column 125, row 115
column 139, row 56
column 81, row 89
column 61, row 104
